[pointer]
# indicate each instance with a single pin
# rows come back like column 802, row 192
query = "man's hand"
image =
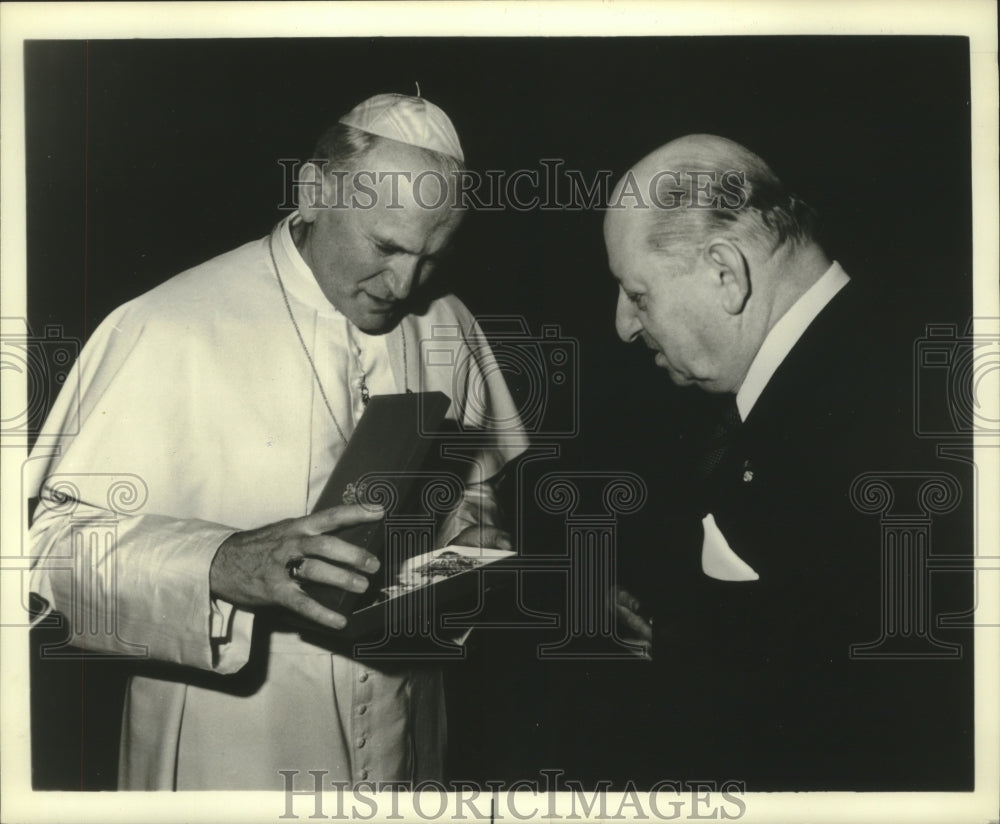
column 634, row 628
column 251, row 569
column 487, row 537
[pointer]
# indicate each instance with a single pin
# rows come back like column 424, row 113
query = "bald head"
column 709, row 250
column 701, row 185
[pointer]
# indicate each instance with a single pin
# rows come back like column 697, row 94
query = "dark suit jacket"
column 753, row 680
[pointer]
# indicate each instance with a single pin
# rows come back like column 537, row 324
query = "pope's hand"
column 634, row 628
column 251, row 569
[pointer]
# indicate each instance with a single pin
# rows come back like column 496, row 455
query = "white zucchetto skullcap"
column 406, row 119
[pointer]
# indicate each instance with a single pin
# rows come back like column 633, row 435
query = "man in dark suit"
column 772, row 571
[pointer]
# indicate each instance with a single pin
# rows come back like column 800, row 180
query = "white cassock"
column 199, row 396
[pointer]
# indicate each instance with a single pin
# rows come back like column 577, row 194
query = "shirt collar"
column 785, row 334
column 298, row 278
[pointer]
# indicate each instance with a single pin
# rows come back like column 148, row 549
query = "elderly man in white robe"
column 230, row 391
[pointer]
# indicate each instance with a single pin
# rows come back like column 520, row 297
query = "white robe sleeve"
column 456, row 358
column 478, row 508
column 142, row 591
column 127, row 580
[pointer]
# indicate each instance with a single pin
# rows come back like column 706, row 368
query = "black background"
column 146, row 157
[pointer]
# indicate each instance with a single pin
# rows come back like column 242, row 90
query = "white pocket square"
column 717, row 558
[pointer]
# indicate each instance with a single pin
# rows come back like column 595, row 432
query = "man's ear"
column 311, row 191
column 730, row 273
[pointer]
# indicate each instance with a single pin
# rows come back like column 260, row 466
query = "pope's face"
column 667, row 304
column 369, row 261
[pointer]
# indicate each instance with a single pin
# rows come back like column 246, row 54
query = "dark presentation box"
column 391, row 457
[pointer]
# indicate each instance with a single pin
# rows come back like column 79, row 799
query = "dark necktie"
column 721, row 437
